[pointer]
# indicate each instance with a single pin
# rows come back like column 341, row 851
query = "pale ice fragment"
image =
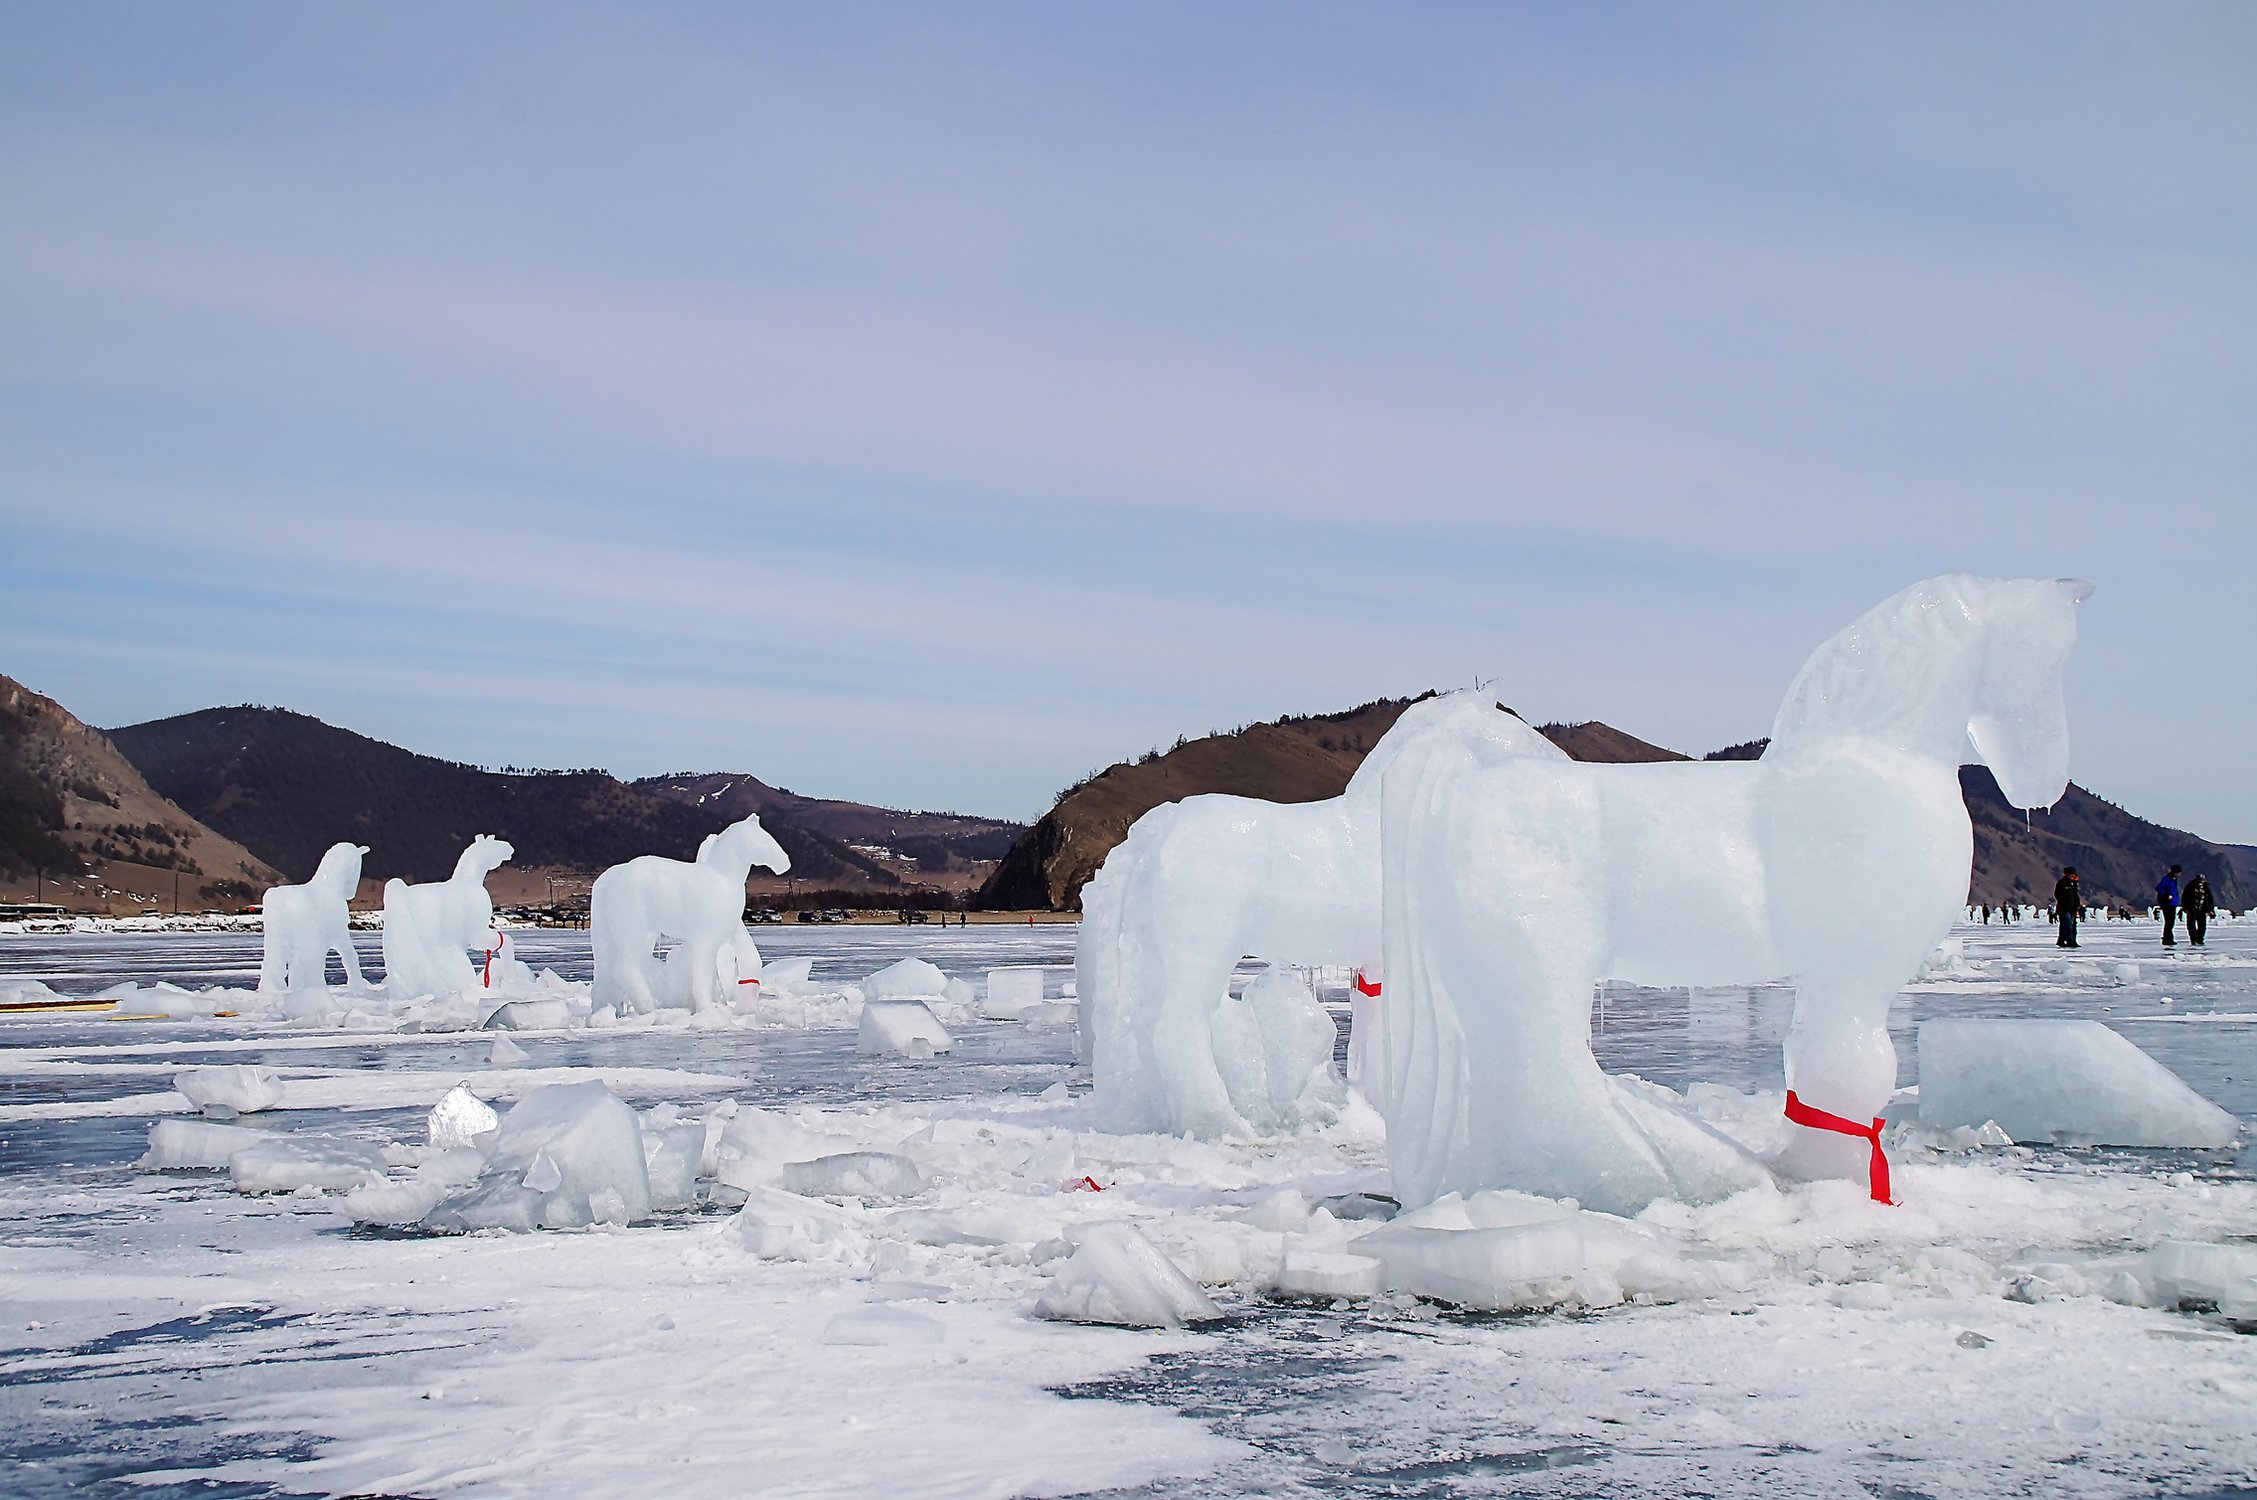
column 459, row 1118
column 175, row 1145
column 286, row 1163
column 1118, row 1276
column 893, row 1026
column 855, row 1174
column 238, row 1087
column 2059, row 1082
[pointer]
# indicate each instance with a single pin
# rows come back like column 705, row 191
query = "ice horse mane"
column 1919, row 670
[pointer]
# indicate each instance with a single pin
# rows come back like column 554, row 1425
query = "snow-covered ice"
column 2052, row 1319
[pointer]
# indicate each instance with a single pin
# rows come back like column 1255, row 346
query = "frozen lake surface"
column 165, row 1335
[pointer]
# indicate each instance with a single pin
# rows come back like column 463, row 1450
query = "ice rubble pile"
column 2059, row 1082
column 1506, row 881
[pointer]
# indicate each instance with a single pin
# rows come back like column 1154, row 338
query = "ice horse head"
column 1947, row 661
column 742, row 845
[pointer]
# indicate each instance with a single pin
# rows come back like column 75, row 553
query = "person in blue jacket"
column 2167, row 897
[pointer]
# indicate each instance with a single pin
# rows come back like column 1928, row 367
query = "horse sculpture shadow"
column 306, row 923
column 429, row 929
column 638, row 907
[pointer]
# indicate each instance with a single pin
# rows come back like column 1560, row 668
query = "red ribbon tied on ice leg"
column 488, row 981
column 1366, row 986
column 1799, row 1113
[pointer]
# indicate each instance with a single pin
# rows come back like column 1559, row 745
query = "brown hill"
column 1300, row 758
column 288, row 786
column 79, row 820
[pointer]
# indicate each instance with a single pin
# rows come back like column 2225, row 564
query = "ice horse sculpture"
column 429, row 929
column 1198, row 883
column 639, row 906
column 306, row 923
column 1511, row 886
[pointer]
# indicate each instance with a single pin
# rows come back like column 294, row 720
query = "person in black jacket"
column 2068, row 905
column 2197, row 905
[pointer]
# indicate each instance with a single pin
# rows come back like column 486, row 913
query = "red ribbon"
column 1366, row 986
column 1084, row 1185
column 748, row 981
column 1799, row 1113
column 490, row 952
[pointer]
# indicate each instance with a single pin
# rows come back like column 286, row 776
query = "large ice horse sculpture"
column 1839, row 858
column 306, row 923
column 429, row 930
column 638, row 907
column 1198, row 883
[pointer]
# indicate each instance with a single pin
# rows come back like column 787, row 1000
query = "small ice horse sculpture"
column 1199, row 883
column 429, row 929
column 1511, row 886
column 306, row 923
column 641, row 905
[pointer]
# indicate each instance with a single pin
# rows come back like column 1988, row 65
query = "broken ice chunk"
column 459, row 1118
column 1010, row 992
column 2059, row 1082
column 175, row 1145
column 286, row 1163
column 855, row 1174
column 673, row 1153
column 1324, row 1273
column 895, row 1026
column 1117, row 1276
column 238, row 1088
column 592, row 1142
column 911, row 976
column 2223, row 1275
column 506, row 1053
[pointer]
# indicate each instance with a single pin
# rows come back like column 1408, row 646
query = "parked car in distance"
column 764, row 914
column 809, row 914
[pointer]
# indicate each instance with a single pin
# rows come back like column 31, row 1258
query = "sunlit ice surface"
column 164, row 1334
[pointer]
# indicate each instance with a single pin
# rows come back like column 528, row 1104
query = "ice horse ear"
column 2075, row 590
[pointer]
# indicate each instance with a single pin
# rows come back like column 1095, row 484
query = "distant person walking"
column 2199, row 906
column 2068, row 902
column 2167, row 897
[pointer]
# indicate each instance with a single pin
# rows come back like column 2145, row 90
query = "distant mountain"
column 1308, row 758
column 931, row 844
column 78, row 818
column 289, row 786
column 2118, row 857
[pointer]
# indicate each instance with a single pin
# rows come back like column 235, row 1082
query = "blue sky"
column 929, row 405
